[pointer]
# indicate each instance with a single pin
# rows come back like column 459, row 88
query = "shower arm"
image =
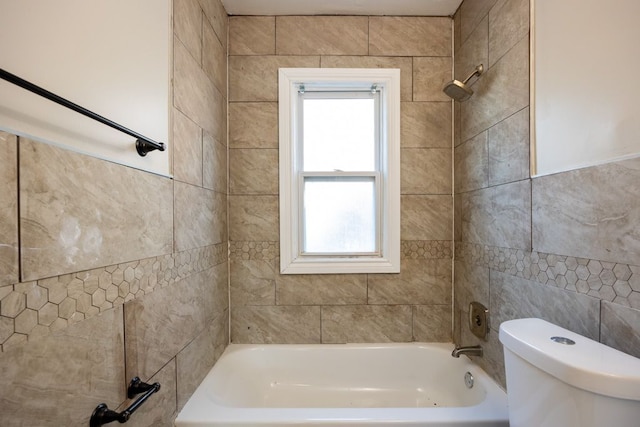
column 479, row 70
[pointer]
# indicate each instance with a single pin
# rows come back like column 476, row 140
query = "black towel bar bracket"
column 143, row 144
column 103, row 415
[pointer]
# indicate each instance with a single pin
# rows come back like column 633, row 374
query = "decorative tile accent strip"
column 244, row 250
column 610, row 281
column 40, row 307
column 426, row 249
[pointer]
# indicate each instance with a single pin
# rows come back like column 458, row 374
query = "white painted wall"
column 586, row 92
column 110, row 56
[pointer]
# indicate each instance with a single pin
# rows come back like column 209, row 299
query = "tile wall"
column 267, row 307
column 108, row 272
column 563, row 247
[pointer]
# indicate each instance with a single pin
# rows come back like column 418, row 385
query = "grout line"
column 18, row 212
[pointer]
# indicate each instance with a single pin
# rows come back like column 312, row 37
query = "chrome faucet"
column 475, row 350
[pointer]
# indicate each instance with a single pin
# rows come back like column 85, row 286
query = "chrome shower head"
column 459, row 91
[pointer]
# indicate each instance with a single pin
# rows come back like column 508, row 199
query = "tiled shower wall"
column 267, row 307
column 108, row 272
column 562, row 247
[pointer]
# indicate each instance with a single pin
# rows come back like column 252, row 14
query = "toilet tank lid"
column 587, row 364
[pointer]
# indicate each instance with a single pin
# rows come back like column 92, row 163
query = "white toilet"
column 556, row 378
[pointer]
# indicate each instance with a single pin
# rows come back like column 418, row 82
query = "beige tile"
column 403, row 63
column 513, row 298
column 75, row 369
column 215, row 285
column 217, row 16
column 163, row 410
column 419, row 282
column 321, row 289
column 422, row 124
column 195, row 94
column 195, row 361
column 425, row 170
column 8, row 209
column 620, row 328
column 275, row 325
column 214, row 59
column 252, row 35
column 254, row 218
column 429, row 76
column 509, row 149
column 214, row 164
column 471, row 164
column 253, row 282
column 471, row 284
column 162, row 323
column 253, row 171
column 509, row 23
column 500, row 92
column 199, row 217
column 498, row 216
column 432, row 323
column 471, row 13
column 473, row 52
column 426, row 217
column 322, row 35
column 187, row 149
column 590, row 213
column 187, row 26
column 366, row 323
column 253, row 125
column 78, row 212
column 255, row 78
column 409, row 36
column 457, row 31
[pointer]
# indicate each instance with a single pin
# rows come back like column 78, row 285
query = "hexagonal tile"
column 634, row 300
column 622, row 271
column 48, row 314
column 607, row 277
column 594, row 283
column 67, row 308
column 6, row 328
column 104, row 280
column 111, row 293
column 129, row 274
column 571, row 263
column 13, row 304
column 117, row 276
column 57, row 290
column 634, row 280
column 83, row 303
column 98, row 298
column 571, row 277
column 26, row 321
column 622, row 288
column 582, row 286
column 6, row 290
column 582, row 272
column 75, row 288
column 91, row 284
column 560, row 268
column 594, row 267
column 58, row 324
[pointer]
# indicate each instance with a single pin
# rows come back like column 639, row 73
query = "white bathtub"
column 344, row 385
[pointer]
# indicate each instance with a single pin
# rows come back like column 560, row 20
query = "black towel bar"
column 143, row 144
column 103, row 415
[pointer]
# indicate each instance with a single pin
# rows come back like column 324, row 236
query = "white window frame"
column 387, row 258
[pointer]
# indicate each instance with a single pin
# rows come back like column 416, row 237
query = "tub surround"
column 413, row 305
column 114, row 272
column 561, row 247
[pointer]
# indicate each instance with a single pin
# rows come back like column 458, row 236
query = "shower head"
column 459, row 91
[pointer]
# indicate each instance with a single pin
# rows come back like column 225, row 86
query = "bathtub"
column 412, row 384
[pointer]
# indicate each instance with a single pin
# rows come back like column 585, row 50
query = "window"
column 339, row 170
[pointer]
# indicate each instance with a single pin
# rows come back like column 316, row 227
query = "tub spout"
column 475, row 350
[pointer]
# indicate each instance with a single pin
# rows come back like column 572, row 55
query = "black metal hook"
column 103, row 415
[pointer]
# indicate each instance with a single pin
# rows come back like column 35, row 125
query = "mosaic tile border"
column 410, row 249
column 37, row 308
column 610, row 281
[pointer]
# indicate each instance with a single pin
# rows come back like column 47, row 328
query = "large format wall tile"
column 473, row 52
column 187, row 26
column 471, row 13
column 509, row 149
column 425, row 170
column 199, row 217
column 195, row 94
column 509, row 21
column 403, row 63
column 498, row 216
column 322, row 35
column 255, row 78
column 214, row 164
column 254, row 218
column 429, row 75
column 252, row 35
column 590, row 213
column 500, row 92
column 420, row 282
column 214, row 59
column 409, row 36
column 253, row 171
column 515, row 298
column 321, row 289
column 187, row 149
column 253, row 125
column 217, row 16
column 472, row 164
column 275, row 325
column 162, row 411
column 72, row 208
column 253, row 281
column 8, row 209
column 422, row 125
column 471, row 284
column 426, row 217
column 619, row 329
column 432, row 323
column 59, row 379
column 366, row 323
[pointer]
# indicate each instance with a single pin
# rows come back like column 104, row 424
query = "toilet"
column 557, row 378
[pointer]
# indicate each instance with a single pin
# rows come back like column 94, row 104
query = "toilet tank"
column 557, row 378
